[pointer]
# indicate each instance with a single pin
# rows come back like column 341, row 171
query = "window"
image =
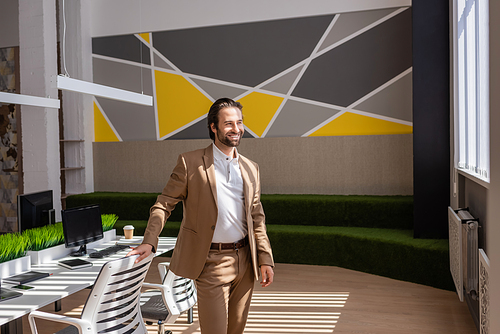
column 471, row 88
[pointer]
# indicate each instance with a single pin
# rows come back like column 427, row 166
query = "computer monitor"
column 35, row 210
column 81, row 226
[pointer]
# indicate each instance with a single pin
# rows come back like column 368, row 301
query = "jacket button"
column 213, row 227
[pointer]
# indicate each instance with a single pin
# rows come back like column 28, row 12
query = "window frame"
column 479, row 92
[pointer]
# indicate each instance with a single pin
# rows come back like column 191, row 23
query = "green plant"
column 52, row 235
column 12, row 246
column 108, row 221
column 44, row 237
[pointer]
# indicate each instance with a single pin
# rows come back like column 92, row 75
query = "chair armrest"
column 154, row 286
column 83, row 326
column 162, row 269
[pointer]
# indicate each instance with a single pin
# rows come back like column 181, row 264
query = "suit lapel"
column 208, row 159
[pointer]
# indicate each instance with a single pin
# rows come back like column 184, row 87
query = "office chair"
column 113, row 303
column 167, row 301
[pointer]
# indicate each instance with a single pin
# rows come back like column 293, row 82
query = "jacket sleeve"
column 264, row 252
column 174, row 192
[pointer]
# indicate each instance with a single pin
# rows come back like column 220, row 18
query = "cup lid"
column 128, row 227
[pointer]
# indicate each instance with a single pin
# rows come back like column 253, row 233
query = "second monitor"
column 35, row 210
column 82, row 225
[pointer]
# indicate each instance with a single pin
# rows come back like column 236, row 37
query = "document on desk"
column 75, row 264
column 131, row 242
column 26, row 277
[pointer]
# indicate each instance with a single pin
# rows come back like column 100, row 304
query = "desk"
column 62, row 283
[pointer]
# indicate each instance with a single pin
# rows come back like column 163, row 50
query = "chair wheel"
column 168, row 332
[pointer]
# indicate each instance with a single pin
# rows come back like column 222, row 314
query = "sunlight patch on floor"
column 292, row 312
column 75, row 312
column 274, row 312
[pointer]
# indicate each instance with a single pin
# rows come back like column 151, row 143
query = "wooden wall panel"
column 344, row 165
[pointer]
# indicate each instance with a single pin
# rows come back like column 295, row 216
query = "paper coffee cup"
column 128, row 230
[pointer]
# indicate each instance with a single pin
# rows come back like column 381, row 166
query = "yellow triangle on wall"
column 178, row 102
column 102, row 130
column 350, row 124
column 258, row 110
column 145, row 36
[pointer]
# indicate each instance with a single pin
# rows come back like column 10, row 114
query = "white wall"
column 40, row 126
column 156, row 15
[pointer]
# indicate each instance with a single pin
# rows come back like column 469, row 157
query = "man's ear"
column 213, row 128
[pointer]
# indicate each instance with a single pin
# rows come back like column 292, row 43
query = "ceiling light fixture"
column 64, row 82
column 85, row 87
column 29, row 100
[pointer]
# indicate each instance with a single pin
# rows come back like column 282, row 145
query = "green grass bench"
column 372, row 234
column 311, row 210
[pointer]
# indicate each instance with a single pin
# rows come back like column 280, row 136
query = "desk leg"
column 190, row 316
column 13, row 327
column 57, row 305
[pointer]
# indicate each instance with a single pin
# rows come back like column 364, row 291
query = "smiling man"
column 222, row 242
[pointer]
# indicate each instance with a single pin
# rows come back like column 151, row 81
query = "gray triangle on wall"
column 161, row 63
column 282, row 84
column 349, row 23
column 216, row 90
column 297, row 118
column 393, row 101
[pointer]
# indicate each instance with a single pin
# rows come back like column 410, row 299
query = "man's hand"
column 143, row 250
column 267, row 275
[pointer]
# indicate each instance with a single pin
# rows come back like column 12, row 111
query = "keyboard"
column 108, row 251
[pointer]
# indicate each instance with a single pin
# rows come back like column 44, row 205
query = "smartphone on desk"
column 22, row 287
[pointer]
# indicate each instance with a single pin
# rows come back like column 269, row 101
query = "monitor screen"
column 81, row 226
column 35, row 210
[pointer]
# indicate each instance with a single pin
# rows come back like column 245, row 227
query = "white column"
column 40, row 126
column 493, row 216
column 78, row 117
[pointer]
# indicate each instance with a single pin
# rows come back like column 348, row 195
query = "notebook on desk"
column 6, row 294
column 26, row 277
column 75, row 263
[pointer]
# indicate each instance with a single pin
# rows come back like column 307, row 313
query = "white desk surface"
column 63, row 282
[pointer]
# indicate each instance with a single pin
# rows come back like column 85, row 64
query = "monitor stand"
column 82, row 251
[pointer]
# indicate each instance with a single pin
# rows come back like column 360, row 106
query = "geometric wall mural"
column 331, row 75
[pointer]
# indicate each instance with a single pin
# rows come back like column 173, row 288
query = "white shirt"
column 231, row 221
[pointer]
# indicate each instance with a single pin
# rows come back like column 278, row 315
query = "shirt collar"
column 219, row 155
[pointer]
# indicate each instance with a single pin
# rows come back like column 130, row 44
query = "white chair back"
column 168, row 300
column 182, row 294
column 113, row 304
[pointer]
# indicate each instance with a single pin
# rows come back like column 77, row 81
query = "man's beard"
column 224, row 139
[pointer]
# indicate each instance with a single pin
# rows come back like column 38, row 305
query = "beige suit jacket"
column 193, row 182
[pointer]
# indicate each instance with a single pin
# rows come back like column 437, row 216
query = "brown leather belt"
column 230, row 245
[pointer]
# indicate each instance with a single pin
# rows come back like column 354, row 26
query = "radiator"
column 455, row 240
column 464, row 251
column 484, row 298
column 470, row 251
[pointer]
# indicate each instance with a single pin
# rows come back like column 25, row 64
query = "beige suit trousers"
column 225, row 289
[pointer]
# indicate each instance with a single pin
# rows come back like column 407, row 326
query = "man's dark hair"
column 213, row 113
